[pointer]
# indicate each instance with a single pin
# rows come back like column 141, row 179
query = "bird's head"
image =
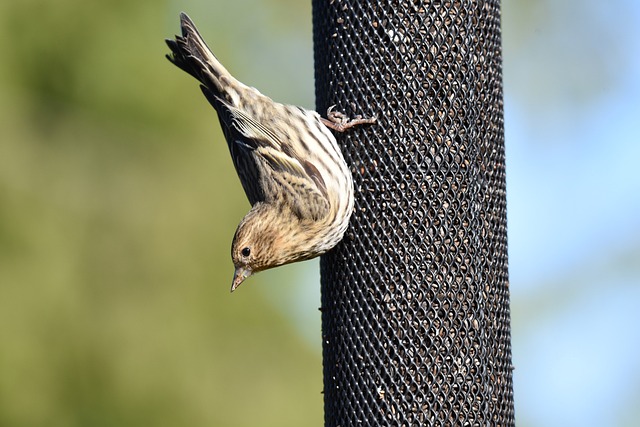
column 264, row 239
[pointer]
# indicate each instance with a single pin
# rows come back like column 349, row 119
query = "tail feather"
column 190, row 53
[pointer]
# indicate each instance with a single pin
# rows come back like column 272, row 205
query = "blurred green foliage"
column 118, row 202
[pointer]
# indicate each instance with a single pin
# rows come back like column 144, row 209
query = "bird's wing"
column 294, row 183
column 285, row 177
column 241, row 153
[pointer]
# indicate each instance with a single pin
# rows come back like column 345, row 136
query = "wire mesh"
column 415, row 299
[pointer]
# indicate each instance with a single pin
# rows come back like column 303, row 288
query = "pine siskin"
column 288, row 162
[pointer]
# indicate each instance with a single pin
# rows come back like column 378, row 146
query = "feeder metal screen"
column 415, row 299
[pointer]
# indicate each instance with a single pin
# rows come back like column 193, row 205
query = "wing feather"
column 284, row 176
column 293, row 185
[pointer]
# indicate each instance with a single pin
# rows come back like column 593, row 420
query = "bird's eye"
column 246, row 252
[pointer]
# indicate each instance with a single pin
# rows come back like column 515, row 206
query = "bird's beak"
column 239, row 276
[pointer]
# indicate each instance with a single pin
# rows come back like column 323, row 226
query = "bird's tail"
column 190, row 53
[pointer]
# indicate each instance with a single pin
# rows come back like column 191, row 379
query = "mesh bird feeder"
column 415, row 299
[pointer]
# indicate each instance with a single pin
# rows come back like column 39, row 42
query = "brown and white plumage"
column 287, row 159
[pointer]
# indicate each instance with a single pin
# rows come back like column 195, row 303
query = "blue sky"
column 573, row 187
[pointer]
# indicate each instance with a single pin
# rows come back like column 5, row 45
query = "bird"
column 289, row 164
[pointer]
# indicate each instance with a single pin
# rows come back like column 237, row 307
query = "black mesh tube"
column 415, row 299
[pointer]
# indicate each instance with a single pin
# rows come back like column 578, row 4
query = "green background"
column 119, row 202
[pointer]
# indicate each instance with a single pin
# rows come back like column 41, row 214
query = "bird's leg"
column 340, row 122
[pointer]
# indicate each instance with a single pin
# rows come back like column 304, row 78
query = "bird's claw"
column 340, row 122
